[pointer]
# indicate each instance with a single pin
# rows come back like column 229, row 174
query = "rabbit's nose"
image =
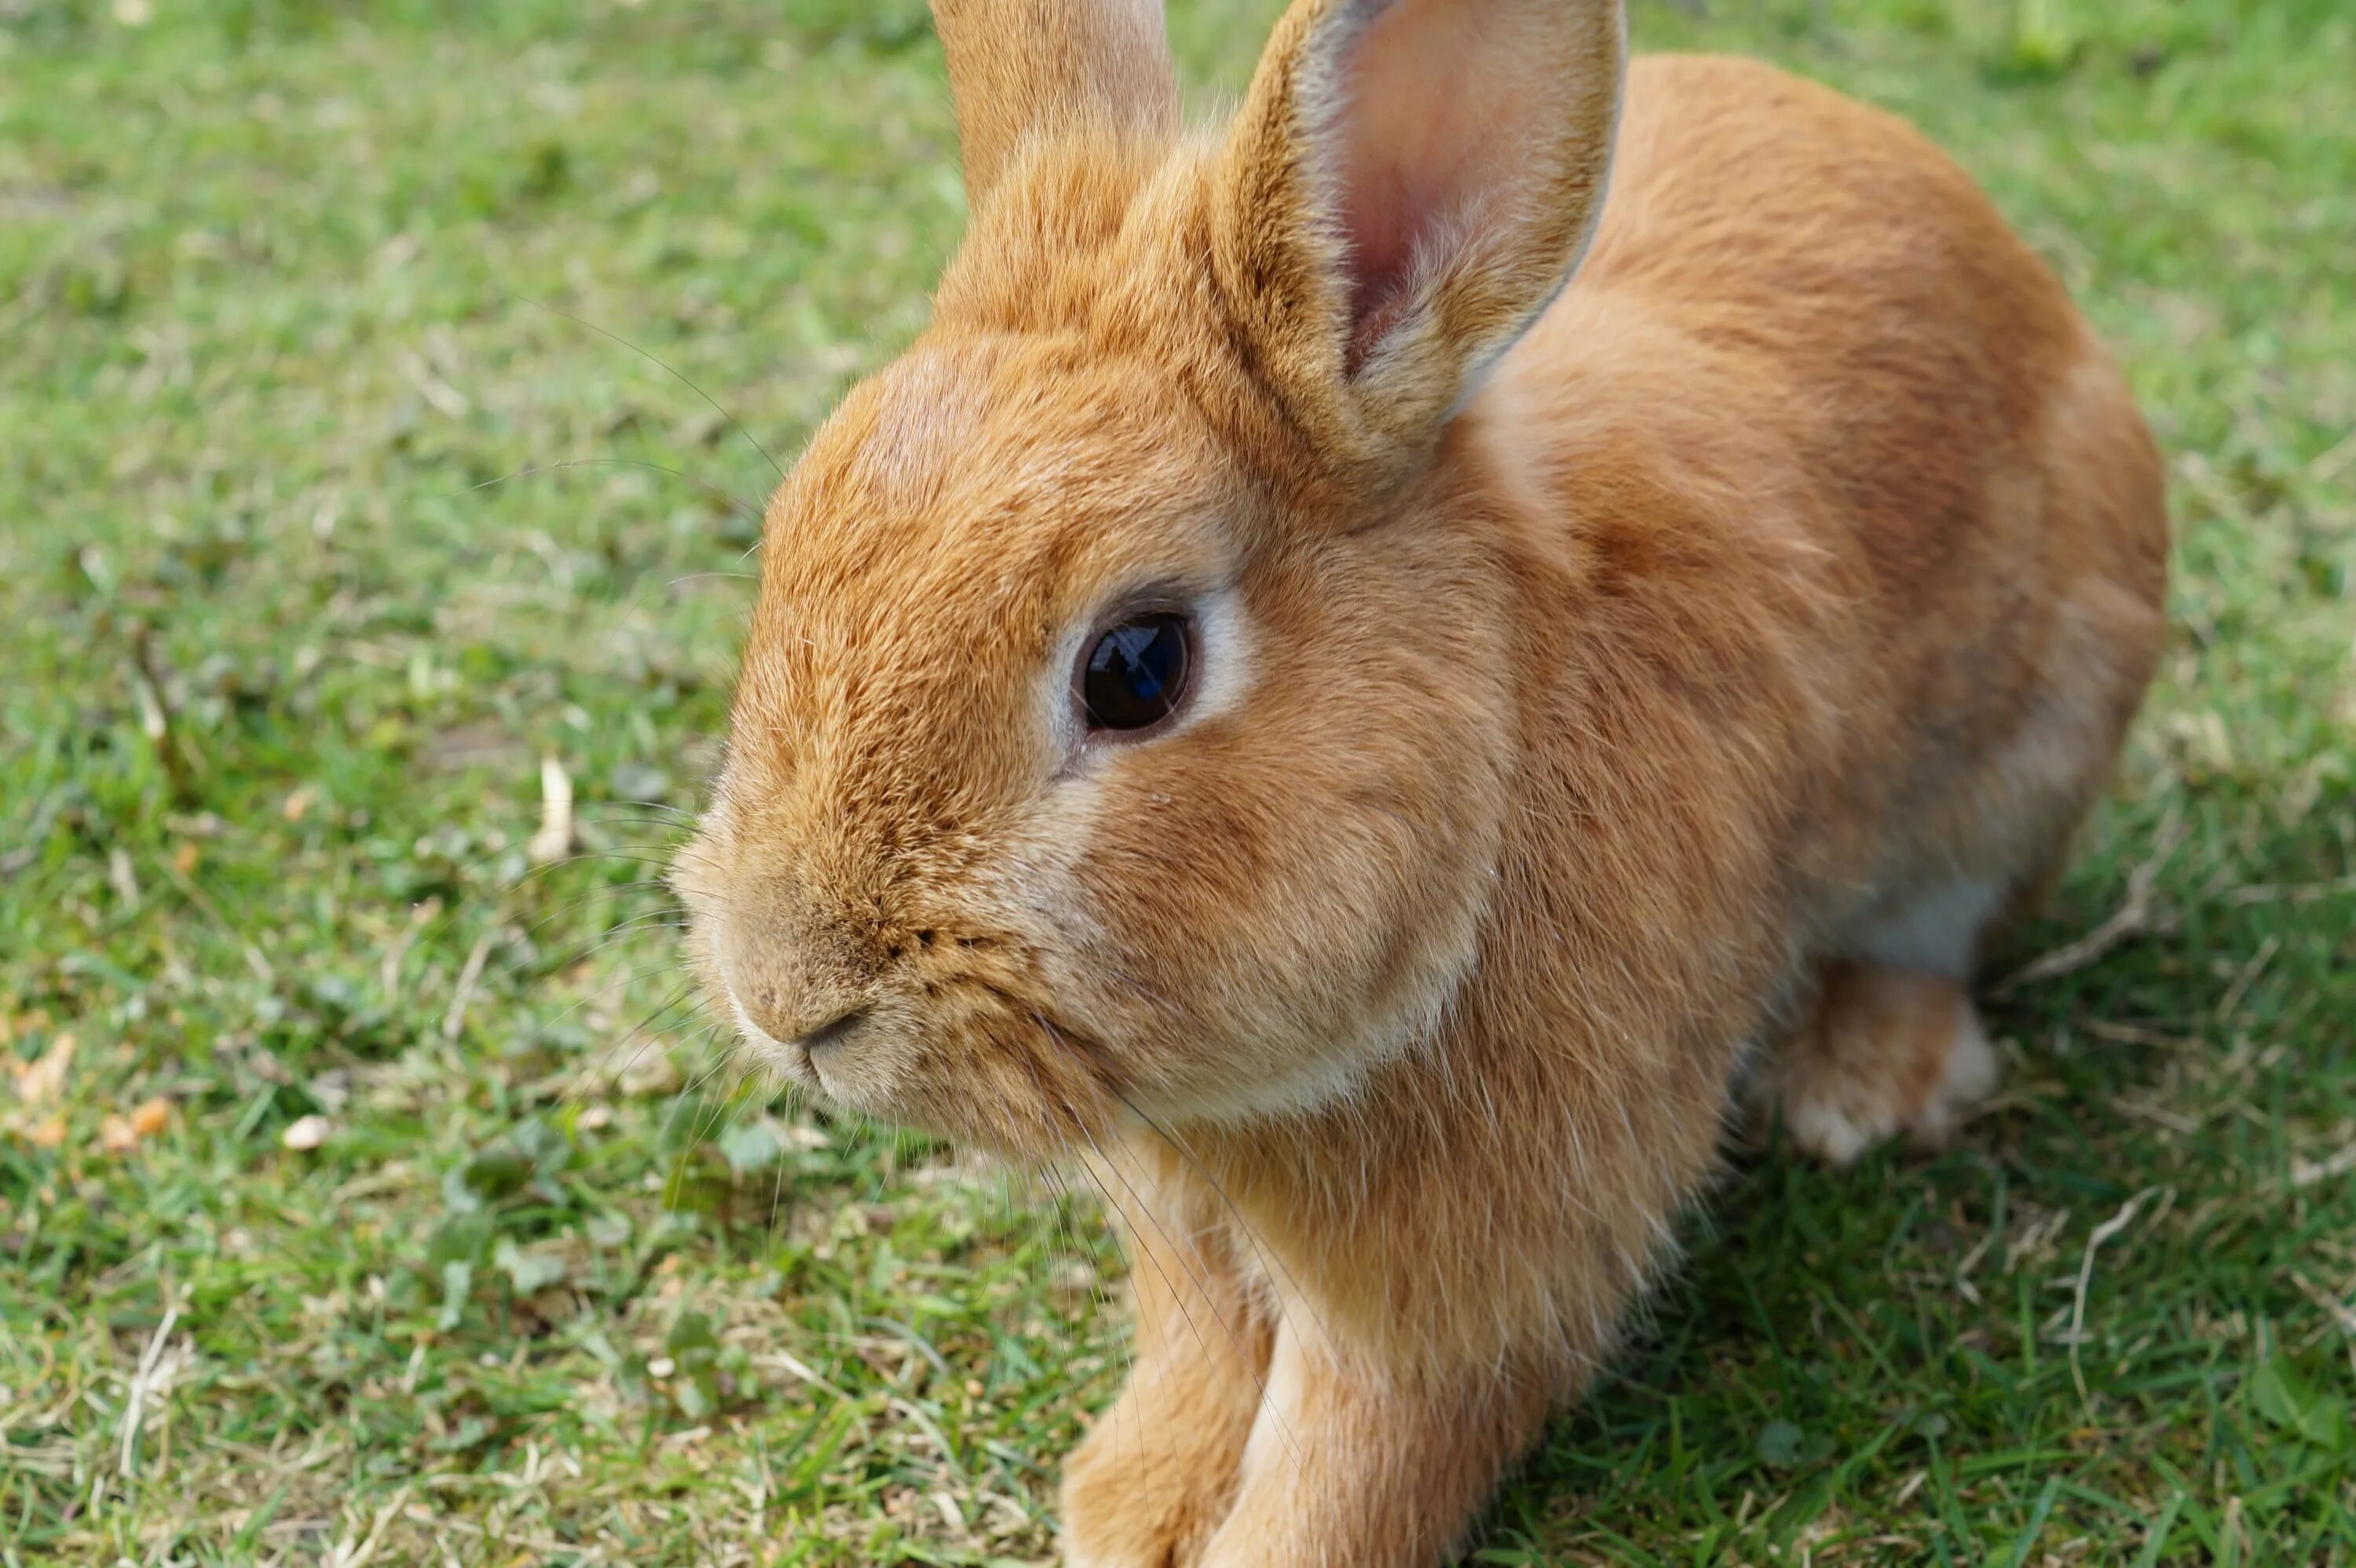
column 796, row 983
column 794, row 998
column 815, row 1043
column 809, row 1024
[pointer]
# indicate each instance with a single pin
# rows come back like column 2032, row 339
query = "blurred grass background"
column 367, row 1194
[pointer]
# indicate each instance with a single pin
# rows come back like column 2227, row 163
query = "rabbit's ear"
column 1025, row 68
column 1409, row 184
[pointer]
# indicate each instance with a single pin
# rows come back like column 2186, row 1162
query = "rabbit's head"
column 1123, row 724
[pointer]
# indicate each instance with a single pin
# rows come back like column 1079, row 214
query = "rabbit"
column 1381, row 672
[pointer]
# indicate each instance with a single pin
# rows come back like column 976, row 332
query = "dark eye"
column 1136, row 675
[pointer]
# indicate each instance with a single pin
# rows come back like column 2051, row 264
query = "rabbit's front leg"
column 1353, row 1463
column 1158, row 1470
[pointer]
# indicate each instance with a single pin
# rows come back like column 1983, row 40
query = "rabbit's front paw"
column 1138, row 1496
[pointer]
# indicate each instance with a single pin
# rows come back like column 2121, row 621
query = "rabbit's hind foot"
column 1879, row 1052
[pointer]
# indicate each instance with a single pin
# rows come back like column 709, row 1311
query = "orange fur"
column 1597, row 685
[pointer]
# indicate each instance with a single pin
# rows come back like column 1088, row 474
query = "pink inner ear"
column 1382, row 229
column 1440, row 98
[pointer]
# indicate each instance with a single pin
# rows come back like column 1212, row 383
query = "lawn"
column 370, row 1187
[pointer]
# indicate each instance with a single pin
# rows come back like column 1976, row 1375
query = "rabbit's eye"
column 1136, row 675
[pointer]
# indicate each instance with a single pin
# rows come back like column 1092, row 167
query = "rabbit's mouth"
column 963, row 1056
column 940, row 1016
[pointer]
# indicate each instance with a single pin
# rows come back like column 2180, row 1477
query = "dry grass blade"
column 2132, row 917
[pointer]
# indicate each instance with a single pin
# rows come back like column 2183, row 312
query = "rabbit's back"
column 1806, row 326
column 1917, row 348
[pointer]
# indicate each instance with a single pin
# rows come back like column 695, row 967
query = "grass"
column 443, row 1237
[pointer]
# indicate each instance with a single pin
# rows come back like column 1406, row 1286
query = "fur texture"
column 1600, row 684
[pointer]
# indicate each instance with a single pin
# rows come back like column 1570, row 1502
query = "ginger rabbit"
column 1372, row 691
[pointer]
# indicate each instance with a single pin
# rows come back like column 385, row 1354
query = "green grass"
column 297, row 601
